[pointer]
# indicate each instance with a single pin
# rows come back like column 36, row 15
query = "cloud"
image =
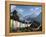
column 31, row 9
column 13, row 7
column 35, row 11
column 20, row 10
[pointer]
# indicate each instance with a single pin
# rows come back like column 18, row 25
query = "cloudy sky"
column 27, row 10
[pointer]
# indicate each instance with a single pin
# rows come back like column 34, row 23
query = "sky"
column 27, row 10
column 33, row 11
